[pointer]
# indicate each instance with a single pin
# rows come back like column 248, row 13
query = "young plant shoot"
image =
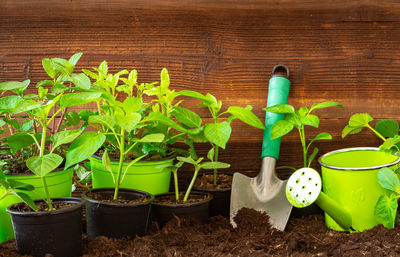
column 388, row 178
column 299, row 119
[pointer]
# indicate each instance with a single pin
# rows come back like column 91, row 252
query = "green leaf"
column 75, row 58
column 214, row 165
column 19, row 140
column 107, row 121
column 389, row 180
column 83, row 147
column 387, row 128
column 360, row 120
column 322, row 136
column 25, row 106
column 390, row 142
column 129, row 121
column 73, row 99
column 312, row 156
column 280, row 129
column 26, row 125
column 350, row 130
column 81, row 81
column 325, row 105
column 164, row 79
column 8, row 103
column 103, row 67
column 311, row 120
column 132, row 104
column 73, row 118
column 246, row 115
column 280, row 108
column 65, row 137
column 26, row 199
column 42, row 165
column 385, row 210
column 49, row 67
column 187, row 117
column 159, row 117
column 105, row 160
column 206, row 100
column 210, row 154
column 20, row 186
column 11, row 85
column 90, row 74
column 187, row 160
column 157, row 138
column 218, row 133
column 2, row 123
column 83, row 174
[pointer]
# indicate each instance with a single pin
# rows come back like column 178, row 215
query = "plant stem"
column 49, row 201
column 216, row 149
column 376, row 133
column 41, row 154
column 121, row 162
column 4, row 195
column 175, row 172
column 303, row 144
column 60, row 120
column 196, row 171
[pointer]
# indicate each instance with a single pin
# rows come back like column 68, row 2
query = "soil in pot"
column 126, row 217
column 220, row 205
column 57, row 232
column 180, row 237
column 165, row 207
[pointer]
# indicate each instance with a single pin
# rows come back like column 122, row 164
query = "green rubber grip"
column 278, row 92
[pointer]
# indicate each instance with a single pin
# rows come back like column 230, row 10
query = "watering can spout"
column 304, row 188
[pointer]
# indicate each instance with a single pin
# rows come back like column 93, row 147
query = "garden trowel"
column 266, row 192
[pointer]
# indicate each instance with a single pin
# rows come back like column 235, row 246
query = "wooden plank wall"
column 345, row 51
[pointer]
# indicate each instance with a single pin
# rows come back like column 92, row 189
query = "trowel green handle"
column 335, row 211
column 278, row 92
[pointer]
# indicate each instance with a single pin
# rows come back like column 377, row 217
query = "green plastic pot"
column 349, row 177
column 147, row 176
column 59, row 184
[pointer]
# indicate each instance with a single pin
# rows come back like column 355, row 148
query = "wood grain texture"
column 345, row 51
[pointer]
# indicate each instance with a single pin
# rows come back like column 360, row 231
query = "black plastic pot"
column 117, row 220
column 220, row 205
column 162, row 213
column 57, row 232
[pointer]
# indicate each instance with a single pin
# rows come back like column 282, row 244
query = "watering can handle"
column 278, row 93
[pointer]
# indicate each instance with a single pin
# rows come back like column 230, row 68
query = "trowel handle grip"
column 278, row 92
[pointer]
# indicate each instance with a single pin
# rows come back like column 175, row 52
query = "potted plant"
column 56, row 225
column 217, row 134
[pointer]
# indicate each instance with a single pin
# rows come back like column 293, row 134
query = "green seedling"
column 387, row 131
column 218, row 132
column 299, row 119
column 13, row 187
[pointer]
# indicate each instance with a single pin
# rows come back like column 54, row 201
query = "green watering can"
column 350, row 187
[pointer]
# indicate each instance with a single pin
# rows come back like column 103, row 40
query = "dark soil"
column 14, row 166
column 206, row 181
column 22, row 207
column 253, row 237
column 170, row 199
column 109, row 198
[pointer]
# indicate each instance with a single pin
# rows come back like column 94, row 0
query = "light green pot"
column 349, row 178
column 59, row 184
column 144, row 175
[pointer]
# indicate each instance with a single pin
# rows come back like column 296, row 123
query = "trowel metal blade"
column 272, row 201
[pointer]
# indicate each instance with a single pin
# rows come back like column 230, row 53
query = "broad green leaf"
column 26, row 199
column 322, row 136
column 25, row 106
column 73, row 118
column 80, row 80
column 385, row 210
column 129, row 121
column 90, row 74
column 164, row 79
column 8, row 103
column 75, row 58
column 48, row 66
column 65, row 137
column 19, row 140
column 294, row 119
column 133, row 76
column 311, row 120
column 107, row 121
column 103, row 67
column 390, row 142
column 105, row 160
column 210, row 154
column 389, row 180
column 83, row 147
column 246, row 115
column 157, row 138
column 350, row 130
column 302, row 112
column 132, row 104
column 26, row 125
column 11, row 85
column 187, row 117
column 43, row 165
column 187, row 160
column 312, row 156
column 325, row 105
column 159, row 117
column 196, row 95
column 387, row 128
column 280, row 108
column 214, row 165
column 83, row 174
column 73, row 99
column 360, row 120
column 280, row 129
column 218, row 133
column 20, row 186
